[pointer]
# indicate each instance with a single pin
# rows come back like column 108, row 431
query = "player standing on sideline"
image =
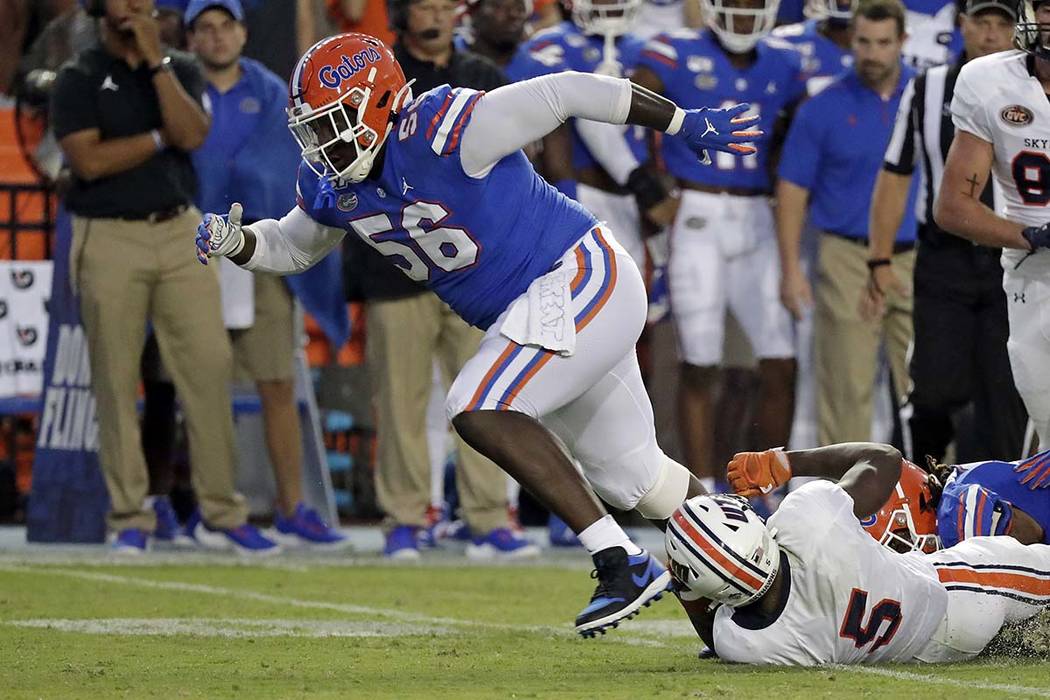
column 723, row 240
column 812, row 587
column 454, row 203
column 824, row 42
column 1002, row 122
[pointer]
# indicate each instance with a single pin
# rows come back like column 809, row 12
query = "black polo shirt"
column 97, row 90
column 369, row 274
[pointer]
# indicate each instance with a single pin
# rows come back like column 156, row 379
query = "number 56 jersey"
column 477, row 242
column 998, row 100
column 850, row 600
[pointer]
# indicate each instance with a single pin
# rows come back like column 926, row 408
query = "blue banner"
column 68, row 499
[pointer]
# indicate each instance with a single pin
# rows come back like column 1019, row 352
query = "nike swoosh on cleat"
column 643, row 580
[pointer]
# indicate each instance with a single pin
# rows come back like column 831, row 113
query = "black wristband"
column 646, row 187
column 878, row 262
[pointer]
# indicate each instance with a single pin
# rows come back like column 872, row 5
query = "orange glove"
column 757, row 473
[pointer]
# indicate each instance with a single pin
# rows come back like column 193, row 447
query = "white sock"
column 605, row 533
column 708, row 482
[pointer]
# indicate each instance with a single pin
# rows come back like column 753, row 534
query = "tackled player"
column 440, row 186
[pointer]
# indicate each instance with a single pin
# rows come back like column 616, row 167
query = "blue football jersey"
column 965, row 511
column 696, row 72
column 476, row 242
column 822, row 58
column 565, row 47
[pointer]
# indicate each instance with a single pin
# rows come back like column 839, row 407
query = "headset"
column 95, row 8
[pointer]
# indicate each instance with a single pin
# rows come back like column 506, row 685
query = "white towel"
column 543, row 316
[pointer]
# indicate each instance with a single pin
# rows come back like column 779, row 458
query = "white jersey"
column 851, row 600
column 999, row 101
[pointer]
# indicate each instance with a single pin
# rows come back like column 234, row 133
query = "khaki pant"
column 404, row 335
column 265, row 351
column 127, row 272
column 846, row 347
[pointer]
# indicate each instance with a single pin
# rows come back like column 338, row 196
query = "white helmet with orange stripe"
column 719, row 548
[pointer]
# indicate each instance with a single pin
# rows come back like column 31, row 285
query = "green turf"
column 455, row 632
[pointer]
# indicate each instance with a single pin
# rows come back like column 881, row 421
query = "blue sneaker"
column 167, row 528
column 626, row 584
column 243, row 539
column 305, row 526
column 560, row 534
column 501, row 543
column 131, row 541
column 402, row 543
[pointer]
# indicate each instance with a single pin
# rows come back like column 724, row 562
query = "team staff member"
column 126, row 114
column 960, row 319
column 831, row 158
column 249, row 156
column 409, row 326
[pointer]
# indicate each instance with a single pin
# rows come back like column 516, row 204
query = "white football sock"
column 605, row 533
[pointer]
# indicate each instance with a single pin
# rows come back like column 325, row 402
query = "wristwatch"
column 165, row 65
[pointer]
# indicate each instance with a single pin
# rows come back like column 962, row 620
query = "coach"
column 126, row 114
column 829, row 163
column 960, row 318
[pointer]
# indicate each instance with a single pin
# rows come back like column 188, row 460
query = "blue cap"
column 196, row 7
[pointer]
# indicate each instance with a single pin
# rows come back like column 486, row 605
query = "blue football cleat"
column 243, row 539
column 501, row 543
column 131, row 540
column 306, row 527
column 626, row 584
column 402, row 543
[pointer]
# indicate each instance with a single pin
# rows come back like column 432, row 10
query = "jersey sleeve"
column 900, row 152
column 810, row 514
column 800, row 158
column 660, row 55
column 970, row 510
column 73, row 103
column 440, row 115
column 968, row 110
column 542, row 55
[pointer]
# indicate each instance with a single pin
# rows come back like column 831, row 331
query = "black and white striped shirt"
column 924, row 131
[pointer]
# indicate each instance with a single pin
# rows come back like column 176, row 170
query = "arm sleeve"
column 800, row 159
column 900, row 153
column 512, row 116
column 292, row 244
column 72, row 104
column 968, row 113
column 608, row 144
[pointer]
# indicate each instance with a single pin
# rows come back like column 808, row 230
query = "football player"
column 823, row 41
column 723, row 239
column 1002, row 122
column 812, row 587
column 439, row 185
column 925, row 511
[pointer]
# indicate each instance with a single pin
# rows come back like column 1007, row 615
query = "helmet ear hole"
column 383, row 100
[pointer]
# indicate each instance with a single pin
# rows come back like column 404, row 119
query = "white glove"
column 219, row 235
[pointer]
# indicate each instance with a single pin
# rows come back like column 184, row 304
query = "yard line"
column 940, row 680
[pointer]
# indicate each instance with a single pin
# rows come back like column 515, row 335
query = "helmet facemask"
column 901, row 534
column 1032, row 36
column 740, row 24
column 342, row 125
column 612, row 18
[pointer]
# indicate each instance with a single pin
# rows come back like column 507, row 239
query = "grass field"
column 174, row 626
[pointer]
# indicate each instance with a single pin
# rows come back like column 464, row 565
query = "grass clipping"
column 1026, row 640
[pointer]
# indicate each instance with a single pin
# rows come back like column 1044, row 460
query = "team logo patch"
column 1016, row 115
column 250, row 105
column 346, row 202
column 699, row 64
column 349, row 66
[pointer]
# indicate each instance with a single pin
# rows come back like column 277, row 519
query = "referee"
column 960, row 316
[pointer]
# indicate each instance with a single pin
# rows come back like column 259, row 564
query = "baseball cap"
column 1007, row 7
column 196, row 7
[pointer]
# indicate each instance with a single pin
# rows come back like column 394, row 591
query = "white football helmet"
column 719, row 548
column 605, row 17
column 740, row 24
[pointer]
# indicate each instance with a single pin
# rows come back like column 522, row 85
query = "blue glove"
column 719, row 129
column 1037, row 236
column 220, row 235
